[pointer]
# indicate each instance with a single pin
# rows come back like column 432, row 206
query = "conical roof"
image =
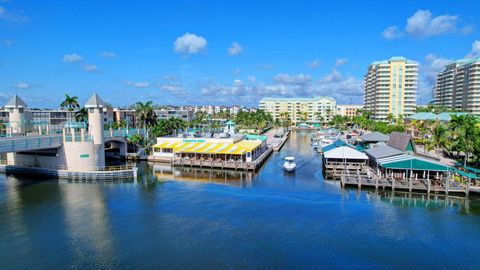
column 15, row 102
column 94, row 102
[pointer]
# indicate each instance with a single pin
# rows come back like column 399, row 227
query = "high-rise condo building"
column 391, row 88
column 300, row 109
column 458, row 86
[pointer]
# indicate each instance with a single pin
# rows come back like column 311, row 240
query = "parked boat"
column 289, row 165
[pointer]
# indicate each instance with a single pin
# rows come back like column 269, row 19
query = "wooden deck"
column 364, row 176
column 233, row 165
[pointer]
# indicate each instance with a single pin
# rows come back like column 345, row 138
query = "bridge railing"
column 122, row 132
column 25, row 143
column 78, row 138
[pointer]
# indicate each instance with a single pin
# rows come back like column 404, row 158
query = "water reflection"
column 225, row 177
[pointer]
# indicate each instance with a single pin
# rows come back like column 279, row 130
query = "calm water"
column 211, row 219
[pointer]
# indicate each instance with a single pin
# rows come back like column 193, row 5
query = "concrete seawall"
column 104, row 175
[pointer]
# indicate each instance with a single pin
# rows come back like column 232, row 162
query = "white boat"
column 315, row 144
column 289, row 164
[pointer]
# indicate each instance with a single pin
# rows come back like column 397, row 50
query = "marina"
column 173, row 205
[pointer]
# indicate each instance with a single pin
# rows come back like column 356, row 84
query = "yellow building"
column 300, row 110
column 391, row 88
column 348, row 110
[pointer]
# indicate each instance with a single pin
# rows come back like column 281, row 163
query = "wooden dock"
column 279, row 146
column 445, row 186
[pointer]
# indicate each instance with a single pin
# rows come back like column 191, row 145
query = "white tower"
column 16, row 114
column 95, row 106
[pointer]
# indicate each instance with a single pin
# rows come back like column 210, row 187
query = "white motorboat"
column 315, row 145
column 289, row 164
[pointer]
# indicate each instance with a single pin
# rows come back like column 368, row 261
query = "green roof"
column 424, row 116
column 408, row 162
column 428, row 116
column 474, row 170
column 336, row 144
column 465, row 174
column 256, row 137
column 230, row 122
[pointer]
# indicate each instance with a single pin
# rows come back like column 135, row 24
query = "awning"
column 344, row 152
column 465, row 174
column 408, row 162
column 239, row 148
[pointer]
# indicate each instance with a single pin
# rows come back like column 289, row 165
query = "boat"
column 315, row 145
column 289, row 164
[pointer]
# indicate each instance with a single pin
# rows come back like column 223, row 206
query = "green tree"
column 82, row 115
column 145, row 113
column 70, row 103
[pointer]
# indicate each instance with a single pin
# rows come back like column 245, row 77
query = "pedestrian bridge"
column 39, row 142
column 30, row 143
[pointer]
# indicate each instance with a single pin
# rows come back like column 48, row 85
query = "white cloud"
column 392, row 32
column 340, row 62
column 174, row 89
column 344, row 89
column 428, row 71
column 190, row 44
column 7, row 42
column 314, row 63
column 22, row 85
column 13, row 17
column 138, row 84
column 235, row 49
column 107, row 54
column 299, row 79
column 237, row 72
column 72, row 58
column 90, row 68
column 475, row 51
column 423, row 25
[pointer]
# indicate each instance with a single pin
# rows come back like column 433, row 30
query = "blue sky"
column 221, row 52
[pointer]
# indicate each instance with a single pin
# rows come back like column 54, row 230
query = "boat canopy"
column 289, row 158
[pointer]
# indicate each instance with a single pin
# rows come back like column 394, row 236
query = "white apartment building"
column 300, row 109
column 458, row 86
column 391, row 88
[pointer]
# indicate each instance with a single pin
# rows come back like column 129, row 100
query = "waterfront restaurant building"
column 236, row 149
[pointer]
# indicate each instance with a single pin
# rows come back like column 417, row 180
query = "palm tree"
column 145, row 113
column 70, row 103
column 81, row 115
column 439, row 138
column 303, row 116
column 277, row 123
column 285, row 116
column 390, row 118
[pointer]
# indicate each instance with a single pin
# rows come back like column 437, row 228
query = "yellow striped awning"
column 239, row 148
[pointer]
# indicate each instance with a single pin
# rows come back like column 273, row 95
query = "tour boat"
column 289, row 164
